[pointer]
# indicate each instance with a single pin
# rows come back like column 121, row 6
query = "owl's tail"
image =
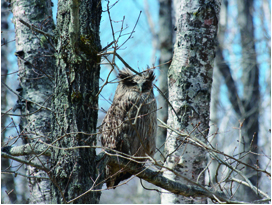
column 113, row 178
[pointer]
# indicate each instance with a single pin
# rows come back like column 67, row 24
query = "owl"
column 130, row 125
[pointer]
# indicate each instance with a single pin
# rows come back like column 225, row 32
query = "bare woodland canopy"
column 211, row 123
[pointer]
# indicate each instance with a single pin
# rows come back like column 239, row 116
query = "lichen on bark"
column 189, row 81
column 75, row 104
column 35, row 65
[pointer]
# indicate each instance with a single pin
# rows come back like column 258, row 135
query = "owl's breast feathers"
column 129, row 121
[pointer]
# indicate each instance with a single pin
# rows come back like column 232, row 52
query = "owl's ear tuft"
column 151, row 75
column 124, row 74
column 126, row 78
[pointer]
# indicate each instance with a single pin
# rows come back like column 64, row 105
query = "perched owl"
column 131, row 117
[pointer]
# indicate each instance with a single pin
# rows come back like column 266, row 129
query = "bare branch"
column 34, row 28
column 121, row 59
column 5, row 155
column 27, row 176
column 28, row 99
column 257, row 191
column 232, row 89
column 27, row 149
column 156, row 178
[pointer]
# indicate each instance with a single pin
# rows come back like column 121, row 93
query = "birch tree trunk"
column 75, row 101
column 35, row 66
column 189, row 82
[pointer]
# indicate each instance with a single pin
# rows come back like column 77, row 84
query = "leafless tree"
column 247, row 105
column 58, row 98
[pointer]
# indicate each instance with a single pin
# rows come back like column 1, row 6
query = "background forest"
column 240, row 107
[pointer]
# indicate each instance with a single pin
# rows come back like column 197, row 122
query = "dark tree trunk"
column 251, row 96
column 166, row 52
column 247, row 106
column 75, row 101
column 215, row 94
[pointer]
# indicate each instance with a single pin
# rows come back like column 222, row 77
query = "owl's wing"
column 113, row 128
column 114, row 125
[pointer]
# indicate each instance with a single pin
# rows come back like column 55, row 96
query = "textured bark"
column 27, row 149
column 7, row 181
column 35, row 64
column 189, row 82
column 166, row 51
column 75, row 102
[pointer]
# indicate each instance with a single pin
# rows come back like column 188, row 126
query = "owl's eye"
column 146, row 86
column 131, row 83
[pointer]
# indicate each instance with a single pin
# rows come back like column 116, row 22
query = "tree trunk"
column 214, row 121
column 189, row 82
column 251, row 96
column 215, row 94
column 35, row 65
column 166, row 51
column 75, row 101
column 246, row 108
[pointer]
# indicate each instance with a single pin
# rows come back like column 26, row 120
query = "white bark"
column 189, row 82
column 32, row 52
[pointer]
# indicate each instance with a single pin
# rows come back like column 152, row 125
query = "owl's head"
column 140, row 83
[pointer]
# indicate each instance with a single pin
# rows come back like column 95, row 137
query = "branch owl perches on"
column 130, row 125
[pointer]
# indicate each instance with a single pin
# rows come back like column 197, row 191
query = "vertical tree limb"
column 33, row 50
column 189, row 82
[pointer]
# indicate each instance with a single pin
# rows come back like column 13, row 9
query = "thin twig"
column 34, row 28
column 121, row 59
column 131, row 31
column 5, row 155
column 27, row 176
column 167, row 101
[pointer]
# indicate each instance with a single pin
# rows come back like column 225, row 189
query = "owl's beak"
column 140, row 86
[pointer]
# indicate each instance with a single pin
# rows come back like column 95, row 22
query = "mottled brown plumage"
column 131, row 117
